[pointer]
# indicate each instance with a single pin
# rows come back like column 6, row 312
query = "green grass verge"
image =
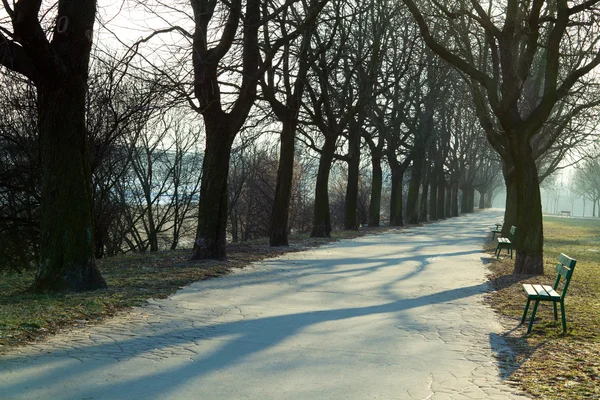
column 132, row 279
column 546, row 363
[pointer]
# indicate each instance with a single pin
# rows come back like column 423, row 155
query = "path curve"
column 398, row 315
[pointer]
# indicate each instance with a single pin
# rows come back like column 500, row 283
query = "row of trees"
column 352, row 82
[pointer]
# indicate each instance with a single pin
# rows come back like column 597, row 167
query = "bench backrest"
column 512, row 232
column 564, row 269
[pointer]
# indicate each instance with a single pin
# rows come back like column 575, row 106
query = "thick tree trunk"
column 321, row 219
column 351, row 204
column 468, row 199
column 396, row 200
column 448, row 201
column 441, row 194
column 212, row 209
column 489, row 199
column 530, row 235
column 454, row 200
column 376, row 185
column 481, row 200
column 433, row 199
column 283, row 190
column 510, row 210
column 423, row 203
column 412, row 198
column 67, row 242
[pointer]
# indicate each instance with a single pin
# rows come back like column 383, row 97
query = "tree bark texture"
column 412, row 198
column 212, row 208
column 321, row 219
column 441, row 193
column 433, row 199
column 67, row 243
column 423, row 203
column 530, row 236
column 283, row 189
column 454, row 200
column 351, row 203
column 376, row 186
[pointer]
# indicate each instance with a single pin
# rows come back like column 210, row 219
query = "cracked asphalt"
column 398, row 315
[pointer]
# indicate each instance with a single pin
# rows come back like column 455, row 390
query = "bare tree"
column 52, row 49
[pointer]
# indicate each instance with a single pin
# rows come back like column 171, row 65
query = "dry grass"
column 548, row 364
column 26, row 317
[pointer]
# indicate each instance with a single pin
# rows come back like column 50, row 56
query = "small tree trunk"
column 322, row 220
column 283, row 190
column 376, row 185
column 433, row 196
column 67, row 241
column 351, row 203
column 212, row 209
column 454, row 200
column 424, row 194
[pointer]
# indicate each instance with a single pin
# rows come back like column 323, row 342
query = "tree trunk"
column 66, row 243
column 283, row 190
column 212, row 208
column 454, row 200
column 481, row 200
column 376, row 185
column 449, row 201
column 441, row 193
column 433, row 199
column 424, row 194
column 530, row 236
column 351, row 204
column 468, row 199
column 510, row 210
column 396, row 200
column 322, row 220
column 412, row 200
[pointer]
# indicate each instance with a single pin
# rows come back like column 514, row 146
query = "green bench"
column 497, row 229
column 564, row 269
column 506, row 242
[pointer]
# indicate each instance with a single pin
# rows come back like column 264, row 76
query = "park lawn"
column 546, row 363
column 133, row 278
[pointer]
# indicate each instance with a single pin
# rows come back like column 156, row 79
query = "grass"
column 26, row 317
column 547, row 363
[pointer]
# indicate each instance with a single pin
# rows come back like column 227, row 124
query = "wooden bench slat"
column 563, row 271
column 540, row 290
column 530, row 290
column 550, row 290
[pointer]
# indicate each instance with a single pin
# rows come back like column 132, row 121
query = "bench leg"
column 525, row 312
column 497, row 252
column 511, row 252
column 535, row 306
column 564, row 320
column 493, row 235
column 555, row 313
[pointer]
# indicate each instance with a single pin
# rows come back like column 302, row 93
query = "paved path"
column 392, row 316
